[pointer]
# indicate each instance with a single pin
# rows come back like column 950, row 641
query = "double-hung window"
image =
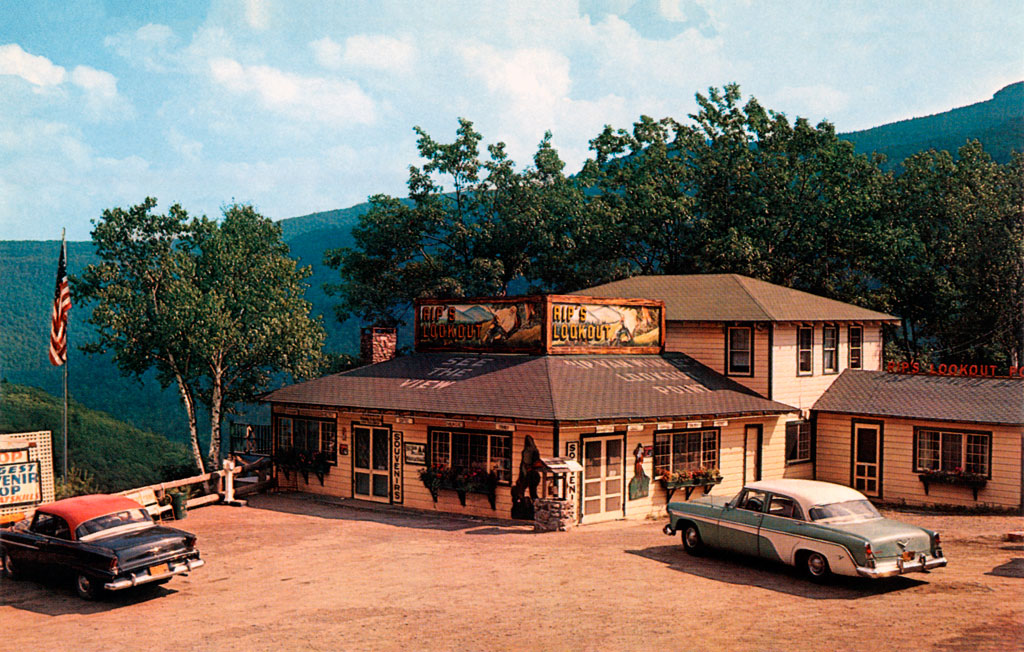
column 856, row 347
column 741, row 351
column 798, row 442
column 686, row 451
column 309, row 436
column 952, row 452
column 470, row 450
column 804, row 350
column 829, row 349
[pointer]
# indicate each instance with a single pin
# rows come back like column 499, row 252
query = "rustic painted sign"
column 397, row 495
column 575, row 326
column 19, row 478
column 485, row 325
column 415, row 453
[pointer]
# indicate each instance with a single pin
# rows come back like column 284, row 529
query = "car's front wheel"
column 11, row 571
column 815, row 567
column 692, row 542
column 87, row 588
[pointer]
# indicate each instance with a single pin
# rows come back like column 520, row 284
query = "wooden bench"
column 147, row 498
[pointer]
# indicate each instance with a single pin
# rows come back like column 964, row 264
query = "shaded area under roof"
column 942, row 398
column 732, row 297
column 563, row 388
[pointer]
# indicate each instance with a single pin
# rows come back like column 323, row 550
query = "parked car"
column 104, row 542
column 819, row 527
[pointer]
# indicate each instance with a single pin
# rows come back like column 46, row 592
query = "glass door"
column 866, row 464
column 371, row 463
column 602, row 479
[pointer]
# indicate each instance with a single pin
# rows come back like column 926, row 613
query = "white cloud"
column 672, row 10
column 814, row 102
column 337, row 101
column 327, row 52
column 149, row 46
column 379, row 52
column 257, row 14
column 37, row 70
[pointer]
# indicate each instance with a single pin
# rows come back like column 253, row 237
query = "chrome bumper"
column 900, row 567
column 133, row 579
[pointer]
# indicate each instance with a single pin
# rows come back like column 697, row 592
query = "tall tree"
column 218, row 307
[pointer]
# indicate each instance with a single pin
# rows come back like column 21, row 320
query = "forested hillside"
column 118, row 456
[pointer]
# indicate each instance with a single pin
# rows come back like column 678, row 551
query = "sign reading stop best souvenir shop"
column 19, row 478
column 552, row 324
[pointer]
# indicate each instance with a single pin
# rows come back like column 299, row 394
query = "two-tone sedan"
column 104, row 542
column 818, row 527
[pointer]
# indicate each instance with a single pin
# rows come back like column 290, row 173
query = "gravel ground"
column 292, row 573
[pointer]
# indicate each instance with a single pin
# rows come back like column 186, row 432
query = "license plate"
column 908, row 556
column 159, row 569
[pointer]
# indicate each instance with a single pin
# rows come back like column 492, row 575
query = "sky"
column 297, row 106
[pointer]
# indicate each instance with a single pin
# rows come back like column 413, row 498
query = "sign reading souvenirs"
column 540, row 324
column 19, row 478
column 965, row 370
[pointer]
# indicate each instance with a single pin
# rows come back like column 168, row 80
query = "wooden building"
column 923, row 439
column 498, row 384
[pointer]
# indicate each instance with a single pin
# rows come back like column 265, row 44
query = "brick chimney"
column 377, row 344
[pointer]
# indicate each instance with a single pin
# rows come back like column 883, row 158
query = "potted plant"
column 689, row 479
column 974, row 481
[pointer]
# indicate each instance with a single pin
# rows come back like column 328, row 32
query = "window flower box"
column 290, row 460
column 688, row 480
column 974, row 481
column 462, row 481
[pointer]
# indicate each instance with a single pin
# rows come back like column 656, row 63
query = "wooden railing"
column 211, row 485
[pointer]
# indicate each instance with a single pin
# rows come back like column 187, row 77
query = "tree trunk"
column 216, row 398
column 193, row 426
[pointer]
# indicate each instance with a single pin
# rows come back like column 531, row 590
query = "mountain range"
column 28, row 268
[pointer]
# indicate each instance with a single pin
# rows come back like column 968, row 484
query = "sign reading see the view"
column 19, row 478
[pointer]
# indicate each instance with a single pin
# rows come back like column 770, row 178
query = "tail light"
column 869, row 555
column 113, row 565
column 936, row 543
column 190, row 542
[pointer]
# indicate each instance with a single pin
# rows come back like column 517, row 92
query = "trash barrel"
column 179, row 503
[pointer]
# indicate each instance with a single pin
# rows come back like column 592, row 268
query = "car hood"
column 143, row 545
column 886, row 535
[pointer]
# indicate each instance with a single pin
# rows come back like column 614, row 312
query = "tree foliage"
column 214, row 307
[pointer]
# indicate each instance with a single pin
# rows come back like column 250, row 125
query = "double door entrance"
column 603, row 472
column 371, row 469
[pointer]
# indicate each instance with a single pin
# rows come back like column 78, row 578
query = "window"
column 752, row 500
column 466, row 450
column 785, row 507
column 830, row 350
column 856, row 347
column 741, row 350
column 952, row 452
column 798, row 442
column 309, row 435
column 51, row 525
column 804, row 345
column 685, row 451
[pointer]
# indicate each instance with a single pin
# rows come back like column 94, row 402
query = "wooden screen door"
column 867, row 444
column 370, row 463
column 602, row 479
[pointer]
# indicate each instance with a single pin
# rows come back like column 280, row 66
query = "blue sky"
column 299, row 106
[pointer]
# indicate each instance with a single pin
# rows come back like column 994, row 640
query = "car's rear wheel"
column 87, row 588
column 692, row 542
column 11, row 571
column 816, row 567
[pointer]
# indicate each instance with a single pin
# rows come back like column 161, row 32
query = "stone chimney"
column 377, row 344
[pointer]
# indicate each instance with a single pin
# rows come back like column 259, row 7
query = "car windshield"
column 847, row 512
column 128, row 519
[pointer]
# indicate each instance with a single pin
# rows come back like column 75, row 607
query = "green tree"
column 216, row 307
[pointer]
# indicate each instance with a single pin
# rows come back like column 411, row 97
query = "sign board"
column 552, row 324
column 20, row 482
column 415, row 453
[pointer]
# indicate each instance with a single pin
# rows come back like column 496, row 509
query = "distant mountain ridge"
column 998, row 123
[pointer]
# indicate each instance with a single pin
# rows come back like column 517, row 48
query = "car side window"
column 46, row 524
column 785, row 507
column 753, row 500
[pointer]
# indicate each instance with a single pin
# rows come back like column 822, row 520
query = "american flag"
column 61, row 307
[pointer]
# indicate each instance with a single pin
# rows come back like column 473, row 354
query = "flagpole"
column 64, row 246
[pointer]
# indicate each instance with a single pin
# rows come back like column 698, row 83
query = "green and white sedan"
column 819, row 527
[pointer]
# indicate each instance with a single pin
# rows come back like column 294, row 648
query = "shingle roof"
column 942, row 398
column 564, row 388
column 732, row 297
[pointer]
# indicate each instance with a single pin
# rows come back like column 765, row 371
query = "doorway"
column 867, row 458
column 603, row 474
column 371, row 477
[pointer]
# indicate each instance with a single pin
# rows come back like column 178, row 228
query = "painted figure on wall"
column 639, row 486
column 529, row 478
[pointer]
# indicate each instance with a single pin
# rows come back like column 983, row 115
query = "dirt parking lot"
column 291, row 573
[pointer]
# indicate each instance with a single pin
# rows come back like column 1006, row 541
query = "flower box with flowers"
column 302, row 461
column 689, row 480
column 460, row 480
column 957, row 476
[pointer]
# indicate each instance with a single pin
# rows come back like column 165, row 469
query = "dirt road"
column 290, row 573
